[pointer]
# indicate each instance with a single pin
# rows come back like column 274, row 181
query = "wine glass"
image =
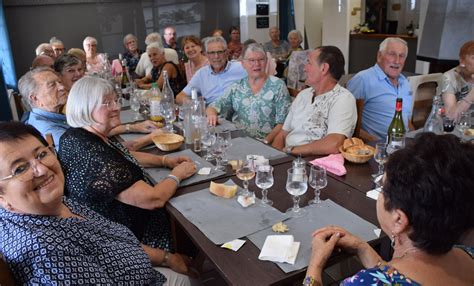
column 169, row 114
column 464, row 122
column 245, row 172
column 317, row 180
column 226, row 137
column 135, row 106
column 264, row 180
column 217, row 150
column 380, row 156
column 448, row 124
column 208, row 138
column 145, row 105
column 296, row 185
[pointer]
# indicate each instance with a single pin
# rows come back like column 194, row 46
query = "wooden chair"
column 358, row 131
column 6, row 276
column 424, row 88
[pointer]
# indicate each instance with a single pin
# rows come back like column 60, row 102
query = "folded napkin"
column 333, row 163
column 280, row 248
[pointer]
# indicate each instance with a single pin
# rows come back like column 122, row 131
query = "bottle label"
column 155, row 107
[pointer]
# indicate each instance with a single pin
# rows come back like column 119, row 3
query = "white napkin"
column 373, row 194
column 280, row 248
column 234, row 245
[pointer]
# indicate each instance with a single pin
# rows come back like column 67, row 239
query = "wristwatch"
column 127, row 128
column 288, row 149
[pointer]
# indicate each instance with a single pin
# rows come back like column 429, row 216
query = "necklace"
column 407, row 251
column 100, row 134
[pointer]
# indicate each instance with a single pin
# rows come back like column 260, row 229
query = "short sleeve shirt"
column 333, row 112
column 454, row 83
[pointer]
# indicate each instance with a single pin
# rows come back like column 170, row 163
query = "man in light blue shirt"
column 380, row 86
column 212, row 80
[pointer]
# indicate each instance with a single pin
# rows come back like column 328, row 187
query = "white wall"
column 248, row 25
column 313, row 21
column 300, row 17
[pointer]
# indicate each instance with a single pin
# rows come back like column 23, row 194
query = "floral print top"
column 257, row 113
column 383, row 275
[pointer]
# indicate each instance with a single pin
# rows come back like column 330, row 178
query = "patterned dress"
column 132, row 60
column 256, row 114
column 383, row 275
column 96, row 172
column 48, row 250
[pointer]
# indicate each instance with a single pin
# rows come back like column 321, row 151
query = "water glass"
column 464, row 122
column 296, row 185
column 317, row 180
column 135, row 106
column 169, row 114
column 264, row 180
column 217, row 151
column 381, row 157
column 226, row 137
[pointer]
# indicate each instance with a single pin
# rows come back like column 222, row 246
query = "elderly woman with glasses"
column 132, row 54
column 102, row 174
column 47, row 239
column 425, row 208
column 94, row 62
column 258, row 102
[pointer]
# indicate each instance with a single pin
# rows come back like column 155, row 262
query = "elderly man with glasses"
column 42, row 88
column 212, row 80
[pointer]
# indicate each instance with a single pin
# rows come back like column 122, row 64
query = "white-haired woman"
column 258, row 102
column 132, row 53
column 94, row 62
column 156, row 54
column 295, row 39
column 104, row 175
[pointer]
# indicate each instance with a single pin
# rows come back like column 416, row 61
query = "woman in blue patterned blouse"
column 425, row 207
column 259, row 102
column 47, row 239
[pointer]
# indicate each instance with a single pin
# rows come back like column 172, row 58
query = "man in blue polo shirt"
column 380, row 86
column 211, row 80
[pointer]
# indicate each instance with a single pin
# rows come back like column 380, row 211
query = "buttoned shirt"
column 380, row 95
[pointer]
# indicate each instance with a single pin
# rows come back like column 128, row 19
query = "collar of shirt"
column 48, row 114
column 227, row 67
column 382, row 76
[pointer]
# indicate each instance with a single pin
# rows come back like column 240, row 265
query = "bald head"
column 42, row 61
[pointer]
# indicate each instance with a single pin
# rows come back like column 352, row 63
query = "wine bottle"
column 434, row 123
column 396, row 126
column 125, row 81
column 155, row 103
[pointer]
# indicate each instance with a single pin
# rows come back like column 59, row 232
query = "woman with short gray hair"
column 94, row 62
column 70, row 69
column 259, row 102
column 295, row 39
column 132, row 53
column 102, row 174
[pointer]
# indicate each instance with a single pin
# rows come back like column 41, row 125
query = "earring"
column 462, row 65
column 392, row 240
column 9, row 207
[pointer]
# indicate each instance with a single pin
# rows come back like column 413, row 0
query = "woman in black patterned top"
column 157, row 58
column 104, row 175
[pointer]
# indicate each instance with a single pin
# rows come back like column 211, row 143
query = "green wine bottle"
column 396, row 126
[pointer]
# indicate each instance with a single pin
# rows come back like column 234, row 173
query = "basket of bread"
column 354, row 150
column 168, row 141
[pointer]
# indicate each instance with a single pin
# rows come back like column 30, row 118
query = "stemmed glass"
column 381, row 157
column 145, row 105
column 317, row 180
column 264, row 180
column 245, row 172
column 226, row 141
column 169, row 114
column 135, row 105
column 217, row 150
column 208, row 138
column 464, row 122
column 296, row 185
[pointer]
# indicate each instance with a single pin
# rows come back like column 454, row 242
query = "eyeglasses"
column 24, row 171
column 396, row 55
column 254, row 61
column 113, row 104
column 219, row 53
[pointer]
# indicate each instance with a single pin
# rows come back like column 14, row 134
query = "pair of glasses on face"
column 113, row 104
column 23, row 171
column 254, row 61
column 214, row 53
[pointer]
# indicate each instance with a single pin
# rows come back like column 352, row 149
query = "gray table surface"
column 243, row 146
column 222, row 220
column 329, row 213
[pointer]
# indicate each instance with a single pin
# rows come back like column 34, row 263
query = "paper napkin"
column 234, row 245
column 280, row 248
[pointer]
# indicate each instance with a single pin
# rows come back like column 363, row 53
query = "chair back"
column 360, row 108
column 424, row 88
column 6, row 276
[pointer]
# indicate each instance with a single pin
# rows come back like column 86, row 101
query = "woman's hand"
column 211, row 116
column 180, row 263
column 146, row 126
column 184, row 170
column 172, row 162
column 322, row 246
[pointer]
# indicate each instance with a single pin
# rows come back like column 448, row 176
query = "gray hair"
column 89, row 39
column 42, row 47
column 54, row 41
column 384, row 43
column 217, row 39
column 28, row 84
column 155, row 46
column 66, row 60
column 86, row 95
column 153, row 38
column 297, row 33
column 128, row 37
column 256, row 48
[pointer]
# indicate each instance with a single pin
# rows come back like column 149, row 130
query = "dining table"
column 243, row 267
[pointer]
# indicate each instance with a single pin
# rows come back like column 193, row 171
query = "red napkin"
column 333, row 163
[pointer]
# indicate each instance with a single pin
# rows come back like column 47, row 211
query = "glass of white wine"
column 296, row 185
column 264, row 180
column 381, row 157
column 246, row 172
column 317, row 180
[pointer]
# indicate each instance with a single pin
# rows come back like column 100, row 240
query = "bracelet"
column 174, row 178
column 165, row 259
column 163, row 160
column 127, row 127
column 309, row 281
